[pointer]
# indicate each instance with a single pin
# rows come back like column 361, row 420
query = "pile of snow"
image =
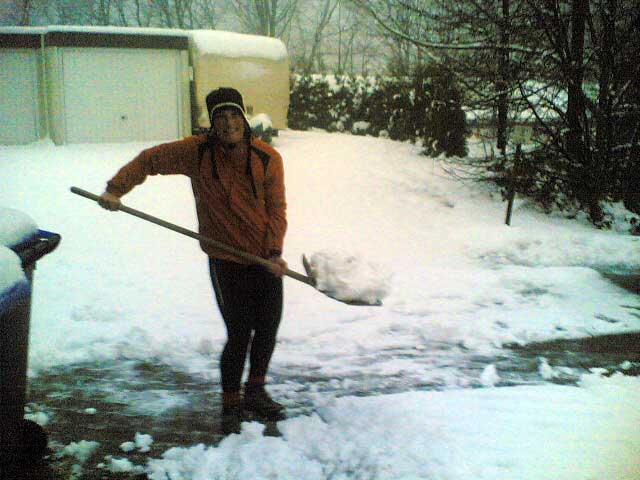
column 524, row 433
column 349, row 278
column 489, row 376
column 120, row 465
column 82, row 451
column 141, row 441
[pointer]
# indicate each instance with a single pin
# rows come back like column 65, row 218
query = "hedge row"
column 425, row 108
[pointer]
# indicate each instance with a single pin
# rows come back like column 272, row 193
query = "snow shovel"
column 308, row 279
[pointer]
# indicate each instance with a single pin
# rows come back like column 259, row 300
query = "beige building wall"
column 263, row 83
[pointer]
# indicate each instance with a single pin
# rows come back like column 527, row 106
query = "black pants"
column 250, row 301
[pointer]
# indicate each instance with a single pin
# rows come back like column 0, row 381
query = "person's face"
column 228, row 123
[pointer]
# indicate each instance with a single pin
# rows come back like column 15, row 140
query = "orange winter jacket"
column 239, row 202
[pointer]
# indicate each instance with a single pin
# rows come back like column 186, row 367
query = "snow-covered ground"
column 121, row 288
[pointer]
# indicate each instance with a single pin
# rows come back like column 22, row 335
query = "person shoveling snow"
column 238, row 185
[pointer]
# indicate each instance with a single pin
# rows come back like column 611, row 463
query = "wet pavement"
column 110, row 402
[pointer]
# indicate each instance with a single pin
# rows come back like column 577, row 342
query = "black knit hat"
column 225, row 97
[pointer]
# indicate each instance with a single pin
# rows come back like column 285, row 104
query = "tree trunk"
column 586, row 184
column 25, row 13
column 604, row 115
column 503, row 80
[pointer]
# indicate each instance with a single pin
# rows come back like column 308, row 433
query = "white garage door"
column 18, row 96
column 119, row 95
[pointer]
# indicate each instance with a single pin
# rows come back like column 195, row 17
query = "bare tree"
column 334, row 36
column 591, row 55
column 569, row 62
column 25, row 12
column 16, row 12
column 175, row 13
column 100, row 12
column 313, row 60
column 265, row 17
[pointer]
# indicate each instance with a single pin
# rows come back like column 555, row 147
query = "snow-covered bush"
column 425, row 108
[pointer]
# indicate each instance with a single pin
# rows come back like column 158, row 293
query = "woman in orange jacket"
column 238, row 185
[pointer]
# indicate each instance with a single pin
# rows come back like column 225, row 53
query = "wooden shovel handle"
column 176, row 228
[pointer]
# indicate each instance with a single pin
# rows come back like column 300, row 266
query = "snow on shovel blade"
column 346, row 278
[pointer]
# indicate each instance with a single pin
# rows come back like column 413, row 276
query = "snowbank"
column 521, row 433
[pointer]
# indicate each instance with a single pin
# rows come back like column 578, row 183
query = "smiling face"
column 228, row 123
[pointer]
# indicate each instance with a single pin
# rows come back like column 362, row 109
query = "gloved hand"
column 109, row 201
column 278, row 266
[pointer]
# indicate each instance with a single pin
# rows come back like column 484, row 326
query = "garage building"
column 109, row 84
column 22, row 116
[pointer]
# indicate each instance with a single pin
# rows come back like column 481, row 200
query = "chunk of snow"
column 40, row 418
column 489, row 376
column 128, row 447
column 81, row 451
column 120, row 465
column 143, row 442
column 349, row 278
column 545, row 370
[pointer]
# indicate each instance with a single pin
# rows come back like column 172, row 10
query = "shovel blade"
column 313, row 281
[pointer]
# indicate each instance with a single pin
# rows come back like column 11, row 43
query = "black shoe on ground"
column 231, row 419
column 260, row 403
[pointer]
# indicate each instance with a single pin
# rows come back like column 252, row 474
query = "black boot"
column 231, row 419
column 260, row 403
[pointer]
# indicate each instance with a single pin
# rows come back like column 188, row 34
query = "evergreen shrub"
column 424, row 108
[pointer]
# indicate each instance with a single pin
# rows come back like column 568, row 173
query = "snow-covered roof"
column 207, row 42
column 237, row 45
column 24, row 30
